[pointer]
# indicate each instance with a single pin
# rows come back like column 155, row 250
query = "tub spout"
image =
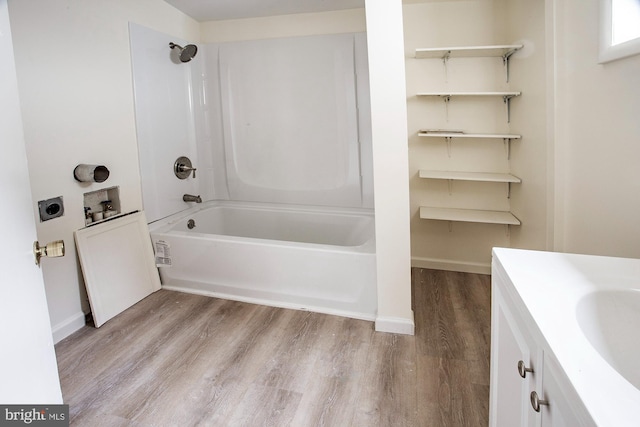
column 191, row 198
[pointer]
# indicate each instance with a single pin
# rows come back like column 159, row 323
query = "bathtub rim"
column 165, row 225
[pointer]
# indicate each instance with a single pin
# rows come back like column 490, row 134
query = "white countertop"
column 550, row 286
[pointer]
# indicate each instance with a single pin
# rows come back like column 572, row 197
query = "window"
column 619, row 29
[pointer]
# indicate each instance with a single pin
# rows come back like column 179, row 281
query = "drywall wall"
column 74, row 78
column 597, row 139
column 390, row 168
column 531, row 201
column 302, row 24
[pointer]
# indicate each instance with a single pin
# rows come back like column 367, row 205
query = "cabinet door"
column 510, row 393
column 563, row 408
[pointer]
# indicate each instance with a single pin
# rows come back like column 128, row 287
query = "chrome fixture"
column 191, row 224
column 187, row 53
column 536, row 401
column 183, row 168
column 522, row 369
column 191, row 198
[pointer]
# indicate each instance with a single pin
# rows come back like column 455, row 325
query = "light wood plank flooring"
column 176, row 359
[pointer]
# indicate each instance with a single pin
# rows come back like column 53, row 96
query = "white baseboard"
column 396, row 325
column 449, row 265
column 67, row 327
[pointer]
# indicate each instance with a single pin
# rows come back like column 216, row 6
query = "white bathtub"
column 317, row 259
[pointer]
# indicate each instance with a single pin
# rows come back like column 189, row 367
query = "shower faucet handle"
column 182, row 168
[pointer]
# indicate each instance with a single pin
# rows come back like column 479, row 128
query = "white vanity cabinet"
column 516, row 340
column 510, row 345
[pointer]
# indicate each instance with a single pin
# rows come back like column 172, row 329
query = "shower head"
column 186, row 53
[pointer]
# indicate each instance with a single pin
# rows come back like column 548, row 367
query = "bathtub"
column 317, row 259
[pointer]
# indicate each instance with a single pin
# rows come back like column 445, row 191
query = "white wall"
column 74, row 76
column 532, row 200
column 597, row 145
column 302, row 24
column 390, row 167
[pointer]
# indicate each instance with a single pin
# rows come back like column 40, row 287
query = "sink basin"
column 610, row 319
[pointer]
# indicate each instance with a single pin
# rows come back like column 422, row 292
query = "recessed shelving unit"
column 468, row 215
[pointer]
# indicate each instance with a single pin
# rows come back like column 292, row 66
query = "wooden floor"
column 176, row 359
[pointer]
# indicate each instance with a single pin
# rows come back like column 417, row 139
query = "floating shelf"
column 445, row 134
column 468, row 215
column 451, row 94
column 449, row 135
column 445, row 53
column 446, row 96
column 468, row 51
column 469, row 176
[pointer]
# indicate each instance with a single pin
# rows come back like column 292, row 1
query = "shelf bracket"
column 446, row 98
column 450, row 226
column 448, row 141
column 445, row 60
column 450, row 185
column 507, row 146
column 508, row 230
column 505, row 61
column 508, row 190
column 507, row 101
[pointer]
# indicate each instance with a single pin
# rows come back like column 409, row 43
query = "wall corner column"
column 385, row 44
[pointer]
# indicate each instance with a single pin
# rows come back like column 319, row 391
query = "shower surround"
column 278, row 129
